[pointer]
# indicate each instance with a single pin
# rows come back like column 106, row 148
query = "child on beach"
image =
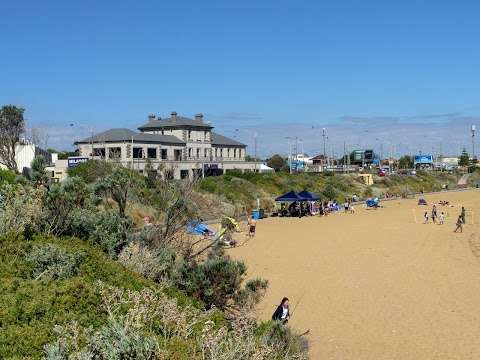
column 459, row 224
column 441, row 219
column 425, row 216
column 252, row 224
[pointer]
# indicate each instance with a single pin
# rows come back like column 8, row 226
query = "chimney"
column 174, row 116
column 199, row 117
column 151, row 117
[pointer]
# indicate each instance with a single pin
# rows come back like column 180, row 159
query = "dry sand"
column 375, row 285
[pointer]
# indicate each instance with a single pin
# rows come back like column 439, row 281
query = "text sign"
column 75, row 160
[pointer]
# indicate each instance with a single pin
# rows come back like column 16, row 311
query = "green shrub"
column 91, row 170
column 114, row 341
column 107, row 229
column 21, row 209
column 214, row 281
column 7, row 176
column 50, row 261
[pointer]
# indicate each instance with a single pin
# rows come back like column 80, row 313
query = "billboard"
column 423, row 159
column 75, row 160
column 368, row 156
column 358, row 155
column 297, row 165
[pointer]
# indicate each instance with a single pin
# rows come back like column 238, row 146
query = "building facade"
column 177, row 145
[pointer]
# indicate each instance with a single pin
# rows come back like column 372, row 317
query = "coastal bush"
column 50, row 261
column 156, row 265
column 91, row 170
column 119, row 185
column 107, row 229
column 21, row 209
column 63, row 199
column 7, row 176
column 218, row 281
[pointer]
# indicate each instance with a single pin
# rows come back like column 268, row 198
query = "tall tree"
column 405, row 162
column 12, row 126
column 276, row 162
column 464, row 159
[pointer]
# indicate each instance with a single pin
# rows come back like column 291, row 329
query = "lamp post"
column 324, row 134
column 473, row 129
column 289, row 153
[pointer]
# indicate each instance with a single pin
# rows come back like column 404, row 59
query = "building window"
column 221, row 153
column 234, row 153
column 100, row 152
column 164, row 154
column 205, row 135
column 152, row 153
column 115, row 153
column 228, row 152
column 163, row 133
column 189, row 134
column 137, row 153
column 190, row 152
column 198, row 153
column 216, row 152
column 205, row 151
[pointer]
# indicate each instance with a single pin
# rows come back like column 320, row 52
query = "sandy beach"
column 376, row 285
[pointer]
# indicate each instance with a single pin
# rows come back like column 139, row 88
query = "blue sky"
column 404, row 72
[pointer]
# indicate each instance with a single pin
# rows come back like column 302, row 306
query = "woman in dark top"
column 282, row 313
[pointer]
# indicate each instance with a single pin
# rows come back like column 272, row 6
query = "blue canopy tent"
column 290, row 197
column 307, row 195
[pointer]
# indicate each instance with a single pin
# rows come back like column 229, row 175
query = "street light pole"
column 473, row 129
column 324, row 134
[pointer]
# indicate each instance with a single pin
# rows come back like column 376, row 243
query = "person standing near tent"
column 282, row 313
column 459, row 225
column 346, row 205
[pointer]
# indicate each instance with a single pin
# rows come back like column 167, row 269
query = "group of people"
column 433, row 215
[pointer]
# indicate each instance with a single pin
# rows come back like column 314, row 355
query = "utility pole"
column 324, row 134
column 255, row 142
column 473, row 129
column 344, row 155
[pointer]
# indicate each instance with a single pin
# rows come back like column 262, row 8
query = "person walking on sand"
column 425, row 217
column 346, row 205
column 463, row 214
column 441, row 218
column 282, row 313
column 252, row 224
column 434, row 214
column 351, row 208
column 459, row 225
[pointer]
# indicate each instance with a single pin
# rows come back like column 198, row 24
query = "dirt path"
column 376, row 285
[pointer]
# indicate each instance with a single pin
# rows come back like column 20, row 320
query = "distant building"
column 26, row 151
column 447, row 161
column 185, row 147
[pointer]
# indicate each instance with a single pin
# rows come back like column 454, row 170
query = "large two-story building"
column 176, row 145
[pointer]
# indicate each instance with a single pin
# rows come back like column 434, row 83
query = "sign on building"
column 75, row 160
column 423, row 159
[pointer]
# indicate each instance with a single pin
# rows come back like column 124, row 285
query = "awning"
column 308, row 195
column 289, row 197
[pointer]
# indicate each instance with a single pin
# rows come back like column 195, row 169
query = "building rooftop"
column 218, row 139
column 127, row 135
column 175, row 121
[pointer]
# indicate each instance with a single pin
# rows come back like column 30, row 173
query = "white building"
column 181, row 146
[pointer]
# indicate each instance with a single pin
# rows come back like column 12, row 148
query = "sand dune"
column 376, row 285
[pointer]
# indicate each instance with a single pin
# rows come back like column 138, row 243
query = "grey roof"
column 220, row 140
column 126, row 135
column 180, row 121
